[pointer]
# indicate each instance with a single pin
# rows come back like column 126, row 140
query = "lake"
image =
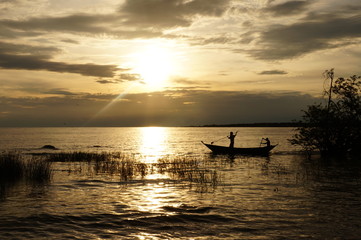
column 281, row 196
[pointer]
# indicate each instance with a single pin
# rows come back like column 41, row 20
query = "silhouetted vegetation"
column 14, row 168
column 128, row 167
column 334, row 127
column 11, row 167
column 83, row 157
column 274, row 124
column 189, row 169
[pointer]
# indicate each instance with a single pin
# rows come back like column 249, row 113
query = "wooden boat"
column 241, row 151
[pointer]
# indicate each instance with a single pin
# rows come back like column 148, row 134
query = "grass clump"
column 11, row 167
column 114, row 163
column 37, row 170
column 15, row 167
column 189, row 169
column 127, row 167
column 82, row 157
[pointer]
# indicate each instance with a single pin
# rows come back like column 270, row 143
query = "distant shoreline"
column 281, row 124
column 278, row 124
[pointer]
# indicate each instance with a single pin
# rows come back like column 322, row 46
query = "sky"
column 170, row 62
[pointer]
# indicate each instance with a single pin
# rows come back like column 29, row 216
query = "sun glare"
column 153, row 143
column 154, row 64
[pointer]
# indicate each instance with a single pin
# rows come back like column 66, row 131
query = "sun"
column 154, row 64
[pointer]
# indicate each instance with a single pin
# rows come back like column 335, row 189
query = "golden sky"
column 170, row 62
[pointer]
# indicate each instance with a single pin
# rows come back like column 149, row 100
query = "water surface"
column 283, row 196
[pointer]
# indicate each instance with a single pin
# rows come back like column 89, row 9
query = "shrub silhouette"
column 335, row 127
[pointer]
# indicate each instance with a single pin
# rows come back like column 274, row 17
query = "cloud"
column 9, row 33
column 6, row 4
column 168, row 108
column 169, row 13
column 26, row 62
column 94, row 25
column 105, row 81
column 82, row 23
column 130, row 77
column 27, row 57
column 123, row 77
column 288, row 8
column 273, row 72
column 306, row 36
column 10, row 48
column 212, row 40
column 59, row 91
column 70, row 41
column 134, row 19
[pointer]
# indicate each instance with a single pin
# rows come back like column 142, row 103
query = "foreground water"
column 283, row 196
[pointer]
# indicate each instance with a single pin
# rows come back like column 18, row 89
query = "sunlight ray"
column 114, row 100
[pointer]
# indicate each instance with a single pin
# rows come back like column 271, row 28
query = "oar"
column 221, row 139
column 218, row 140
column 261, row 142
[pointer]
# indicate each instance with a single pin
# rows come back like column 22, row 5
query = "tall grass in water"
column 15, row 168
column 114, row 163
column 37, row 170
column 82, row 157
column 11, row 167
column 128, row 167
column 191, row 170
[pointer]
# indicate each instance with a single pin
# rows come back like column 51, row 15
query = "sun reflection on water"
column 154, row 198
column 154, row 143
column 156, row 195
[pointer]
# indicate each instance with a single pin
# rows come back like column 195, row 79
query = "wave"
column 176, row 221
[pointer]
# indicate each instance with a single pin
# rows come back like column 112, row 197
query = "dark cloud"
column 105, row 81
column 59, row 91
column 211, row 40
column 70, row 41
column 10, row 48
column 248, row 37
column 290, row 41
column 94, row 25
column 31, row 62
column 169, row 108
column 170, row 13
column 288, row 8
column 27, row 57
column 80, row 23
column 273, row 72
column 134, row 19
column 123, row 77
column 130, row 77
column 8, row 33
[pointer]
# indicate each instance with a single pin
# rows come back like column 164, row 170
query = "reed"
column 82, row 157
column 11, row 167
column 128, row 167
column 113, row 163
column 189, row 169
column 15, row 167
column 37, row 170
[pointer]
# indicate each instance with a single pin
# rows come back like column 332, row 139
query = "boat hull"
column 239, row 151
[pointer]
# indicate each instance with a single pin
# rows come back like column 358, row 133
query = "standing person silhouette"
column 231, row 138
